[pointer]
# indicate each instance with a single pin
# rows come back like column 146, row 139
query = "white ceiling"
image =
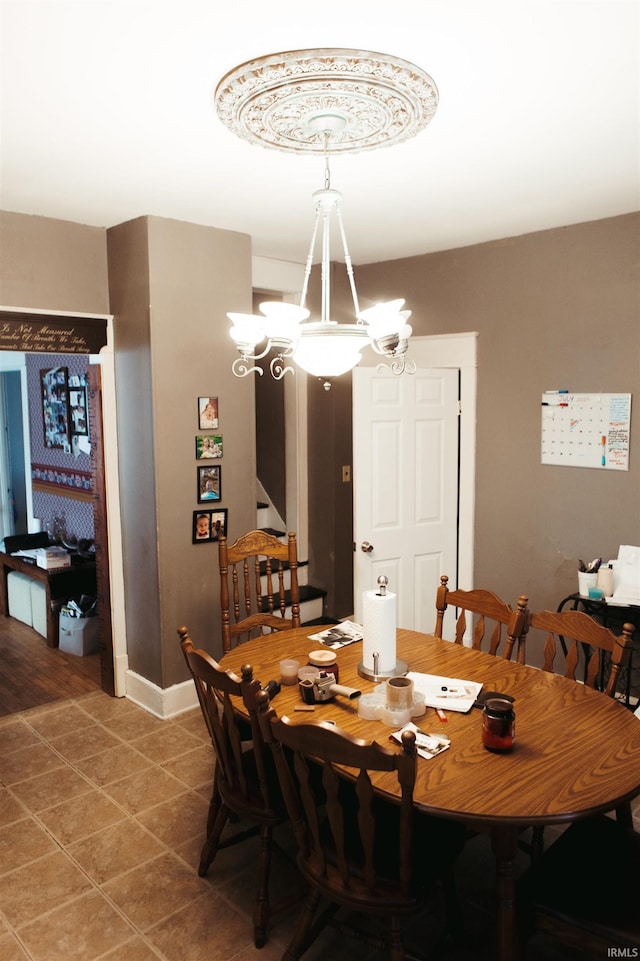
column 107, row 114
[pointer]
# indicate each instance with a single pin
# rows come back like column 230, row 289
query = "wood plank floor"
column 32, row 674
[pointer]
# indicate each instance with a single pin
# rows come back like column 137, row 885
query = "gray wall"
column 554, row 309
column 171, row 284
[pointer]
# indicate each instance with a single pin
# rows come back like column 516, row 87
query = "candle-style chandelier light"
column 324, row 101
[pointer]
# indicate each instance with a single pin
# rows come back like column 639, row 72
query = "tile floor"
column 102, row 816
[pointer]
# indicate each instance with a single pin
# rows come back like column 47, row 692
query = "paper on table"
column 427, row 745
column 344, row 633
column 459, row 696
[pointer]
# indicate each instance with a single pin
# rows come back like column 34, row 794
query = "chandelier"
column 324, row 101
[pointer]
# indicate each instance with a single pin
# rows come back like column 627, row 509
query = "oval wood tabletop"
column 576, row 751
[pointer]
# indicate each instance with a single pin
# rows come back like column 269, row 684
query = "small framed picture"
column 209, row 484
column 208, row 413
column 209, row 525
column 78, row 405
column 208, row 446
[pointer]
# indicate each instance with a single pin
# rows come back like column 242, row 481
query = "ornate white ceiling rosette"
column 287, row 101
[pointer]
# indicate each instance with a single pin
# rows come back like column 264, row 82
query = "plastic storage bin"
column 79, row 635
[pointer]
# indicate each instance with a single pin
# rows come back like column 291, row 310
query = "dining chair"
column 355, row 850
column 485, row 606
column 582, row 641
column 584, row 891
column 599, row 653
column 245, row 784
column 253, row 596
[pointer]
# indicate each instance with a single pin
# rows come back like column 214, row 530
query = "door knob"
column 366, row 547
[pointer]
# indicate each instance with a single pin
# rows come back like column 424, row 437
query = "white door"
column 405, row 463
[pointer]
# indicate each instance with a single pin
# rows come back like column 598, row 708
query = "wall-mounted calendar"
column 586, row 430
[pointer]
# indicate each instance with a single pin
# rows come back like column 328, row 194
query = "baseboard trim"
column 163, row 703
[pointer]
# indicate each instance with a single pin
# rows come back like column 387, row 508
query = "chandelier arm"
column 348, row 265
column 309, row 261
column 326, row 265
column 240, row 367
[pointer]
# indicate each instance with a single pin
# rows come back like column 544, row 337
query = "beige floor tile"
column 15, row 734
column 32, row 890
column 145, row 789
column 136, row 950
column 83, row 742
column 194, row 768
column 103, row 708
column 166, row 743
column 62, row 720
column 46, row 790
column 207, row 929
column 10, row 808
column 81, row 816
column 23, row 842
column 149, row 893
column 28, row 762
column 135, row 724
column 82, row 930
column 177, row 820
column 112, row 765
column 10, row 950
column 114, row 850
column 193, row 722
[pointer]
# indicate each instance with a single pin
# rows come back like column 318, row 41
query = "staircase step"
column 261, row 505
column 272, row 530
column 307, row 592
column 320, row 621
column 311, row 602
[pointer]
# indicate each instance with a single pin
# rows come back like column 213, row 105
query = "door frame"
column 106, row 360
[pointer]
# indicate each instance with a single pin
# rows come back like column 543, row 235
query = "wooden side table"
column 59, row 584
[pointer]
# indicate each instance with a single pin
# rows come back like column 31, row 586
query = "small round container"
column 325, row 660
column 498, row 724
column 369, row 707
column 289, row 670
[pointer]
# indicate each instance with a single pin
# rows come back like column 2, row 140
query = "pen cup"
column 585, row 581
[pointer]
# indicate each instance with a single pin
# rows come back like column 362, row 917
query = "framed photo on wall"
column 208, row 446
column 54, row 384
column 208, row 413
column 209, row 484
column 209, row 525
column 78, row 407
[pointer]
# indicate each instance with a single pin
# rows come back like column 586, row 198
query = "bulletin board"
column 586, row 430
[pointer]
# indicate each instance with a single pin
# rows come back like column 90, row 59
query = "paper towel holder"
column 401, row 667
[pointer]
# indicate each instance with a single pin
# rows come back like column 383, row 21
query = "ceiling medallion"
column 374, row 99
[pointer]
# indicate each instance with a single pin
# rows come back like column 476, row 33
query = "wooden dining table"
column 576, row 751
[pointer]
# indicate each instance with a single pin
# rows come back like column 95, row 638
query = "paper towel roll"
column 379, row 630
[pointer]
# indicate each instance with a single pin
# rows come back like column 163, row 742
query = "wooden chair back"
column 484, row 608
column 336, row 853
column 253, row 597
column 601, row 653
column 241, row 776
column 244, row 783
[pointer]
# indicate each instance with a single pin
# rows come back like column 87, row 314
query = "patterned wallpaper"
column 75, row 516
